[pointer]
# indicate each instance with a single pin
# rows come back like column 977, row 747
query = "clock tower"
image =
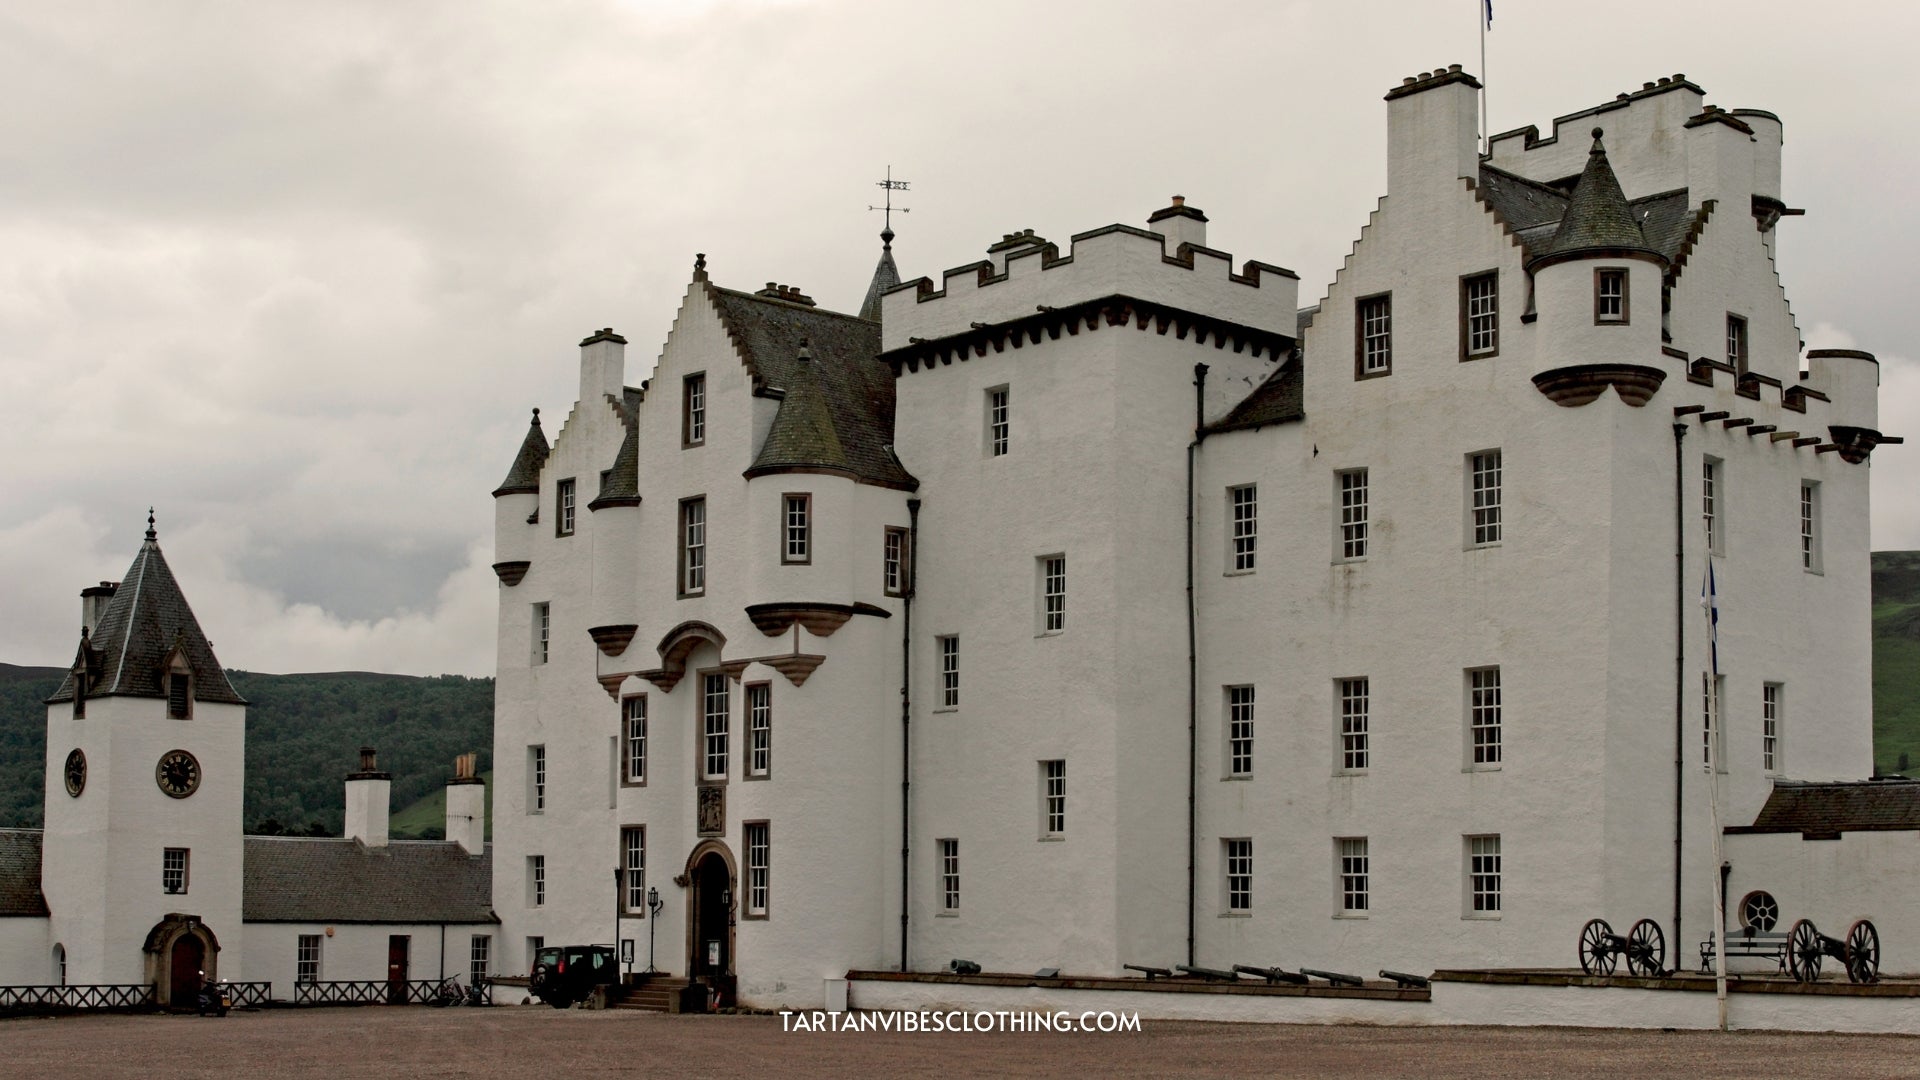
column 146, row 743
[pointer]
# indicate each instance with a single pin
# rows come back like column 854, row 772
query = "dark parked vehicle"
column 565, row 974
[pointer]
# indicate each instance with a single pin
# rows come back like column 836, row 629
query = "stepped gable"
column 297, row 879
column 1598, row 220
column 1818, row 809
column 147, row 619
column 802, row 435
column 855, row 387
column 524, row 477
column 20, row 893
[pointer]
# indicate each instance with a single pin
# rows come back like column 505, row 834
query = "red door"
column 397, row 968
column 184, row 978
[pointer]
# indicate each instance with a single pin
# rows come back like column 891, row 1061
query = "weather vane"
column 891, row 185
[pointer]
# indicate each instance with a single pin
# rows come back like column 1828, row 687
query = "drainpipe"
column 1193, row 663
column 906, row 713
column 1679, row 659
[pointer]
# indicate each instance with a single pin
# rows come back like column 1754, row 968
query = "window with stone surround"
column 1373, row 336
column 1354, row 874
column 1480, row 315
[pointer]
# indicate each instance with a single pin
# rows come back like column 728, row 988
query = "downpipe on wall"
column 1193, row 661
column 906, row 715
column 1679, row 657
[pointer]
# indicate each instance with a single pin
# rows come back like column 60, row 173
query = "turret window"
column 797, row 530
column 1610, row 295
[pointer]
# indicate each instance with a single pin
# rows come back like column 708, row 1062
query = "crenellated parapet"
column 1167, row 264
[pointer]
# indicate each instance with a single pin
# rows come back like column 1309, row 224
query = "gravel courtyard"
column 533, row 1043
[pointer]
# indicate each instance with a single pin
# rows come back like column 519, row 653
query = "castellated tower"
column 146, row 747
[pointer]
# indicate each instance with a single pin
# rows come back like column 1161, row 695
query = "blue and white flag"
column 1710, row 603
column 1487, row 8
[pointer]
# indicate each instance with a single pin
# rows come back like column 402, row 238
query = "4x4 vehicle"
column 565, row 974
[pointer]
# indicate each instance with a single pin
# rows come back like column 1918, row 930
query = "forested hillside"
column 303, row 737
column 1896, row 661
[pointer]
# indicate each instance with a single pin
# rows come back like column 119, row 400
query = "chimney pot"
column 1179, row 200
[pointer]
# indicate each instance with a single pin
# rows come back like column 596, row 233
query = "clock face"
column 178, row 774
column 76, row 773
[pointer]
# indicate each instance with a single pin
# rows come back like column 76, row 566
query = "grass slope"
column 1896, row 661
column 426, row 818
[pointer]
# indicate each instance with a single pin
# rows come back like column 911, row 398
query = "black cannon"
column 1859, row 951
column 1644, row 946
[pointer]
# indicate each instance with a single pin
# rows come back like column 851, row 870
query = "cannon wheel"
column 1596, row 948
column 1647, row 949
column 1803, row 951
column 1863, row 953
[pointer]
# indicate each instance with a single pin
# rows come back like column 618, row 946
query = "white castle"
column 1098, row 605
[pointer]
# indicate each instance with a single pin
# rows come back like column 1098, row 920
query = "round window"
column 1758, row 912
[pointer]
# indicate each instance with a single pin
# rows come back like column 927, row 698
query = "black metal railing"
column 365, row 992
column 99, row 996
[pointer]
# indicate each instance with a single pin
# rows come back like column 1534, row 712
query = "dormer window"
column 179, row 695
column 1610, row 295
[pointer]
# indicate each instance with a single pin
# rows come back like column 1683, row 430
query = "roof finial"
column 700, row 266
column 1597, row 132
column 892, row 185
column 151, row 535
column 806, row 354
column 536, row 416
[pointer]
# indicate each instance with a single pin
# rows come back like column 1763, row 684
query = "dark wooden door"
column 184, row 977
column 712, row 936
column 397, row 947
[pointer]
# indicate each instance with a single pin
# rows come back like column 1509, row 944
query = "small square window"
column 1610, row 300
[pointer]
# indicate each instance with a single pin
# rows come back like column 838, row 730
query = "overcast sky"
column 293, row 273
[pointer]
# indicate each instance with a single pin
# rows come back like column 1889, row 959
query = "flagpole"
column 1483, row 13
column 1710, row 594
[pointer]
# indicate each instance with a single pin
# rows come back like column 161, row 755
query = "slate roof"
column 1829, row 808
column 1598, row 218
column 144, row 622
column 20, row 873
column 885, row 276
column 524, row 477
column 802, row 434
column 1536, row 210
column 296, row 879
column 1276, row 401
column 621, row 485
column 855, row 386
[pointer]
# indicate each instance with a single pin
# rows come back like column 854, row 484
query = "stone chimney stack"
column 603, row 367
column 1013, row 244
column 467, row 805
column 1180, row 224
column 93, row 604
column 367, row 793
column 1433, row 132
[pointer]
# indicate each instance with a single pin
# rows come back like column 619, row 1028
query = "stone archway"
column 178, row 949
column 712, row 888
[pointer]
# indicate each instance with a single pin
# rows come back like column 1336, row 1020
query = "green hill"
column 427, row 818
column 303, row 735
column 1896, row 660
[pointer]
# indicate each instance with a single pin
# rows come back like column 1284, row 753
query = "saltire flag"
column 1710, row 603
column 1487, row 7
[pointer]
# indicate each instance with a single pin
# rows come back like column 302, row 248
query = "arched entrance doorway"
column 188, row 961
column 710, row 889
column 178, row 949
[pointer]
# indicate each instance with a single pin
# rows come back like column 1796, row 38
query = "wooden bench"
column 1764, row 945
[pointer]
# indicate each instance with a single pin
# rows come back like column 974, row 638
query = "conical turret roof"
column 885, row 276
column 145, row 624
column 524, row 477
column 1598, row 220
column 802, row 434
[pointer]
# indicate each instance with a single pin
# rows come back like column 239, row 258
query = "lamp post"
column 654, row 904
